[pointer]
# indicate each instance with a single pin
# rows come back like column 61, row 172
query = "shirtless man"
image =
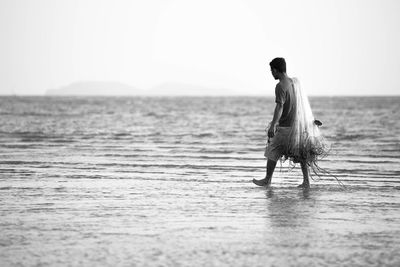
column 284, row 115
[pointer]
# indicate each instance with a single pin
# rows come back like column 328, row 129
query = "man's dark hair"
column 279, row 64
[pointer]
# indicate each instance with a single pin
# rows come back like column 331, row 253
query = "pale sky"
column 338, row 47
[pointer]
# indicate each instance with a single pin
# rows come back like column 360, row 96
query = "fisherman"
column 293, row 133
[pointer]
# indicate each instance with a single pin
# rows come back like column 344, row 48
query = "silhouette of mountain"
column 100, row 88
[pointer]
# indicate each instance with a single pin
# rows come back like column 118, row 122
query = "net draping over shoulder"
column 305, row 142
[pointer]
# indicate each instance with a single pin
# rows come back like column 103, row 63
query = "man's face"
column 274, row 73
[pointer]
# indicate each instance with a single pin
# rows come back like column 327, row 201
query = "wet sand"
column 176, row 222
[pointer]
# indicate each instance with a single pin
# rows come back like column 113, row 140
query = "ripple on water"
column 167, row 181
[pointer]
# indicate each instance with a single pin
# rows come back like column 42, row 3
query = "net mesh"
column 305, row 142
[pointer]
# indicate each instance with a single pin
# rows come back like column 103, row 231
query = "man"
column 285, row 120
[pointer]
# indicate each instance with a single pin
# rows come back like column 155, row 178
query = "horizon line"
column 194, row 95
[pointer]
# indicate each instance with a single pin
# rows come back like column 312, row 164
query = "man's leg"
column 269, row 172
column 306, row 181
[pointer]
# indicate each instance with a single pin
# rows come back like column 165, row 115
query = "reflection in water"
column 289, row 207
column 305, row 192
column 290, row 223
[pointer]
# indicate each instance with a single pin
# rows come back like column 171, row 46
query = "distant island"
column 95, row 88
column 105, row 88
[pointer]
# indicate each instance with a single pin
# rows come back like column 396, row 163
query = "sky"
column 338, row 47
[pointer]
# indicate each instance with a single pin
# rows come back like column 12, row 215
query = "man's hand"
column 271, row 131
column 277, row 115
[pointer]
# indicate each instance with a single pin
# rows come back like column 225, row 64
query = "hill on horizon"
column 107, row 88
column 92, row 88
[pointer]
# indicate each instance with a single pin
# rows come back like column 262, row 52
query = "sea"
column 167, row 181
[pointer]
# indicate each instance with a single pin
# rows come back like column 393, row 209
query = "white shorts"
column 276, row 147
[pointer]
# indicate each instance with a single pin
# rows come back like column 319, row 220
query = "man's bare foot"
column 262, row 182
column 304, row 185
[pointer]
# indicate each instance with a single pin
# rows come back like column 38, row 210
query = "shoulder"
column 279, row 87
column 295, row 80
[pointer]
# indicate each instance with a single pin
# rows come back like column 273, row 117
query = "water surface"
column 166, row 181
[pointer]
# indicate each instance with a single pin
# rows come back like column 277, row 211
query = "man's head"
column 278, row 66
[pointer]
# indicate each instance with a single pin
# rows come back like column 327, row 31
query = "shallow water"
column 166, row 181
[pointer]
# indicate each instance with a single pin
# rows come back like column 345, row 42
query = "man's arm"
column 277, row 115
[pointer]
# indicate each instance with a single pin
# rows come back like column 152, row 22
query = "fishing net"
column 305, row 142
